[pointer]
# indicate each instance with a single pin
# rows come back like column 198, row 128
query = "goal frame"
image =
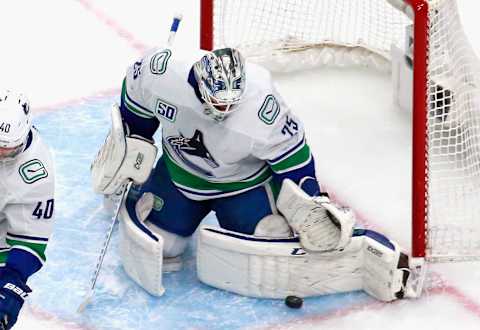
column 419, row 199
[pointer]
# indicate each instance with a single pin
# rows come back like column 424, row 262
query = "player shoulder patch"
column 166, row 110
column 32, row 171
column 269, row 110
column 159, row 61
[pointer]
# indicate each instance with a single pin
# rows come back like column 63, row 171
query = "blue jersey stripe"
column 33, row 238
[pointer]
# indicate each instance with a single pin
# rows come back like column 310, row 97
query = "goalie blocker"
column 276, row 268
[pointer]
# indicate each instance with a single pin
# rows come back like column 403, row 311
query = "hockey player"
column 26, row 203
column 231, row 145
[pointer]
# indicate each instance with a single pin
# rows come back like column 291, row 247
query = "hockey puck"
column 294, row 302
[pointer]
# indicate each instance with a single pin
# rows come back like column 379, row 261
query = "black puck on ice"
column 294, row 302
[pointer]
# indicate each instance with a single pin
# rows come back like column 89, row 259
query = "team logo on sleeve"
column 32, row 171
column 159, row 61
column 269, row 110
column 193, row 146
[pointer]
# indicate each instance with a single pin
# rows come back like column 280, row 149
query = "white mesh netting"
column 265, row 30
column 353, row 32
column 453, row 137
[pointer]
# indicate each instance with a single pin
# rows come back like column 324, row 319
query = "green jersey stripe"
column 184, row 178
column 38, row 248
column 299, row 157
column 3, row 256
column 135, row 108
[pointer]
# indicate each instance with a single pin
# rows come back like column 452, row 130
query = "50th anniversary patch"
column 32, row 171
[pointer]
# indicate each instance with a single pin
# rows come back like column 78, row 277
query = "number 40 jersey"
column 26, row 206
column 208, row 158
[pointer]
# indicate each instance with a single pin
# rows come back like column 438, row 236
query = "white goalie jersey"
column 27, row 200
column 207, row 158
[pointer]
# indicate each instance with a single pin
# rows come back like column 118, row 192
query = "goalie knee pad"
column 173, row 245
column 273, row 225
column 321, row 225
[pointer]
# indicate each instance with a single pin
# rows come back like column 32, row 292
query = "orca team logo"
column 194, row 146
column 32, row 171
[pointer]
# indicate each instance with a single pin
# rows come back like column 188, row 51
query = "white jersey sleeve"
column 135, row 91
column 161, row 74
column 282, row 143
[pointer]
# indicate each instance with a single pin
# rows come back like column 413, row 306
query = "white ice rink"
column 70, row 57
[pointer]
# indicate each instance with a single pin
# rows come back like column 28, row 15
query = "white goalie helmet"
column 15, row 124
column 221, row 81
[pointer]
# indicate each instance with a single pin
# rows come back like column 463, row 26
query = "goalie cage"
column 445, row 127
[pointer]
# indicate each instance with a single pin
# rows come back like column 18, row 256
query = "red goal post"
column 445, row 101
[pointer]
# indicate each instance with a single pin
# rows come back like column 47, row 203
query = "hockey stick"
column 177, row 18
column 88, row 297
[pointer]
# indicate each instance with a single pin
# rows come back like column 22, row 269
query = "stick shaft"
column 173, row 29
column 103, row 251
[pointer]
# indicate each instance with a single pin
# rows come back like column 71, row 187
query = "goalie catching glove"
column 320, row 225
column 121, row 158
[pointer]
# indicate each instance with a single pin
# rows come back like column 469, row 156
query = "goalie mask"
column 15, row 124
column 221, row 81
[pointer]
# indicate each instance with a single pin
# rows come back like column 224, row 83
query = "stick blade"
column 86, row 301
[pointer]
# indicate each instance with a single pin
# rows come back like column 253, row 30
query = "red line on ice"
column 63, row 104
column 451, row 291
column 114, row 25
column 456, row 294
column 45, row 316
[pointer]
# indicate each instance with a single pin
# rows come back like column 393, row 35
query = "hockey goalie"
column 230, row 144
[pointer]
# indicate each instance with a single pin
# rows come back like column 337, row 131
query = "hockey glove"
column 321, row 225
column 13, row 291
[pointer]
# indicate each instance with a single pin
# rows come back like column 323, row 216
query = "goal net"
column 436, row 64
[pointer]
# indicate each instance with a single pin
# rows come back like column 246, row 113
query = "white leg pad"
column 141, row 255
column 173, row 247
column 275, row 268
column 383, row 279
